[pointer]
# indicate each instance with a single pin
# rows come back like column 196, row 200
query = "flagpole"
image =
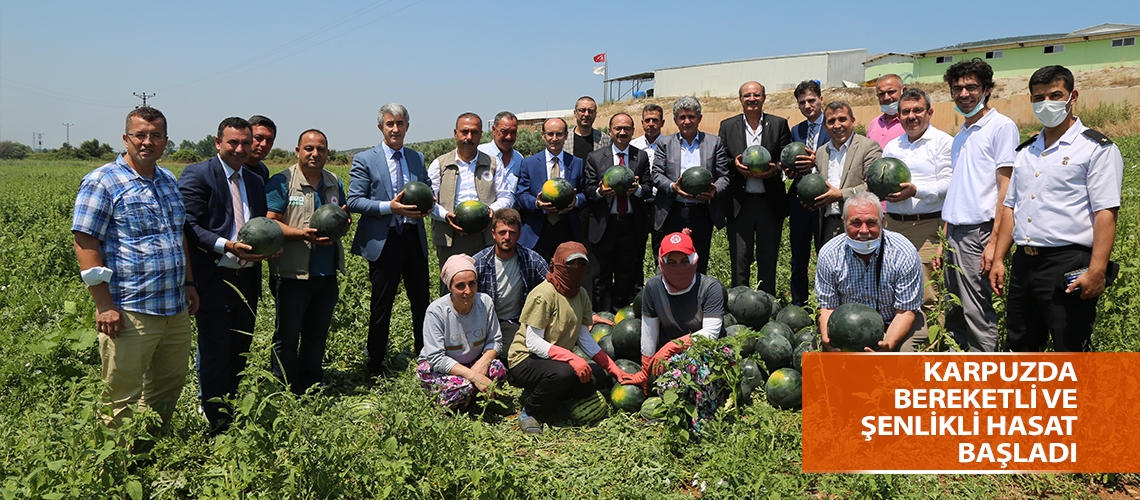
column 605, row 74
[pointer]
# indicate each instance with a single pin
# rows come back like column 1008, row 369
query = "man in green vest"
column 303, row 279
column 462, row 174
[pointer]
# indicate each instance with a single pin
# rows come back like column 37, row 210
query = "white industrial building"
column 722, row 79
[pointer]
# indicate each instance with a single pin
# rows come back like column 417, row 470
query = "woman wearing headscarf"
column 461, row 339
column 557, row 315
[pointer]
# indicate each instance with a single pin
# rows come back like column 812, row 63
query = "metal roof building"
column 831, row 68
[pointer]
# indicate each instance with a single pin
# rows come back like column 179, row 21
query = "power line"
column 68, row 125
column 143, row 96
column 51, row 94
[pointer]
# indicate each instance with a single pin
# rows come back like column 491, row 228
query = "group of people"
column 518, row 297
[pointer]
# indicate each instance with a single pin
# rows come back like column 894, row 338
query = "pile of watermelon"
column 772, row 352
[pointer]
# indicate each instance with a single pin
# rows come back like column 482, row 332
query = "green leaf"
column 134, row 489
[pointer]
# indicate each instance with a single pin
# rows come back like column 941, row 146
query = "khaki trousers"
column 145, row 366
column 923, row 235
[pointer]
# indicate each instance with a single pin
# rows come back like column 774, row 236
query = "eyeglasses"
column 957, row 89
column 142, row 137
column 621, row 128
column 907, row 111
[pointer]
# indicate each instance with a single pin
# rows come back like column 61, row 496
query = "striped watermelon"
column 653, row 409
column 590, row 410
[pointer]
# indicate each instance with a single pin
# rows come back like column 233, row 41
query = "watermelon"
column 362, row 408
column 784, row 389
column 624, row 314
column 330, row 221
column 626, row 337
column 795, row 317
column 263, row 234
column 775, row 307
column 729, row 320
column 600, row 330
column 472, row 216
column 775, row 350
column 809, row 334
column 790, row 152
column 590, row 409
column 608, row 315
column 853, row 326
column 750, row 308
column 798, row 354
column 757, row 159
column 618, row 178
column 810, row 187
column 884, row 176
column 637, row 304
column 559, row 192
column 628, row 366
column 747, row 343
column 752, row 376
column 777, row 328
column 607, row 345
column 627, row 398
column 418, row 194
column 653, row 409
column 696, row 180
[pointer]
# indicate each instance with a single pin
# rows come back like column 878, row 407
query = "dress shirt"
column 884, row 129
column 512, row 168
column 842, row 277
column 228, row 259
column 617, row 161
column 550, row 163
column 928, row 159
column 690, row 153
column 835, row 159
column 1055, row 191
column 813, row 142
column 393, row 165
column 752, row 138
column 643, row 144
column 978, row 151
column 465, row 186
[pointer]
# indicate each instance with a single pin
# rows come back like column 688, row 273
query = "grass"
column 389, row 441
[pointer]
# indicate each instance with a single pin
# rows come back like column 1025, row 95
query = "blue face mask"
column 981, row 104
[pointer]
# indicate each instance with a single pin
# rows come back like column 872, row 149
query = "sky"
column 332, row 65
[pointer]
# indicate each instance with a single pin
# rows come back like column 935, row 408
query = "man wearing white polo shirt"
column 982, row 160
column 916, row 210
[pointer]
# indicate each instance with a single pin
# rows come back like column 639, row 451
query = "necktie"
column 811, row 135
column 239, row 212
column 397, row 186
column 622, row 199
column 552, row 217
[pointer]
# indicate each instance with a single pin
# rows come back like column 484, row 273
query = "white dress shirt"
column 617, row 161
column 550, row 163
column 752, row 138
column 228, row 259
column 512, row 168
column 690, row 153
column 978, row 152
column 835, row 158
column 393, row 168
column 650, row 148
column 928, row 159
column 465, row 185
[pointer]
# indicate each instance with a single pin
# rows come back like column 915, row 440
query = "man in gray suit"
column 843, row 163
column 583, row 138
column 675, row 209
column 390, row 234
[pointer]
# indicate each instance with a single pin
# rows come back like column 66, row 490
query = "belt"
column 619, row 217
column 754, row 195
column 229, row 271
column 916, row 217
column 1035, row 251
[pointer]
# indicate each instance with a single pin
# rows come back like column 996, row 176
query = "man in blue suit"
column 390, row 234
column 220, row 196
column 545, row 227
column 803, row 224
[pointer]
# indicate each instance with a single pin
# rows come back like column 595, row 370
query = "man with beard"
column 583, row 138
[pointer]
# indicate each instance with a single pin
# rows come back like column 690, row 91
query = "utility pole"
column 144, row 96
column 38, row 138
column 68, row 125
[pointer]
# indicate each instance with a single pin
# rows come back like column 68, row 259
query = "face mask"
column 981, row 104
column 1052, row 113
column 891, row 109
column 864, row 247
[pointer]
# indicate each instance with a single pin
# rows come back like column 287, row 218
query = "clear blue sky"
column 330, row 65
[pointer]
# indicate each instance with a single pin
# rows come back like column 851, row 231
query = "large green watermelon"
column 810, row 187
column 637, row 304
column 263, row 234
column 748, row 340
column 600, row 330
column 884, row 176
column 774, row 306
column 809, row 334
column 590, row 410
column 777, row 328
column 732, row 294
column 784, row 389
column 628, row 366
column 330, row 221
column 750, row 309
column 627, row 398
column 795, row 317
column 606, row 314
column 418, row 194
column 624, row 314
column 653, row 409
column 798, row 354
column 775, row 350
column 559, row 192
column 696, row 180
column 472, row 216
column 729, row 320
column 789, row 153
column 752, row 376
column 626, row 337
column 757, row 159
column 607, row 345
column 853, row 326
column 618, row 178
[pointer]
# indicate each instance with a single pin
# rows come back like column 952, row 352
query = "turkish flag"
column 600, row 58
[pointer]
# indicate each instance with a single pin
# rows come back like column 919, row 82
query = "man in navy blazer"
column 545, row 227
column 389, row 233
column 221, row 264
column 803, row 224
column 674, row 209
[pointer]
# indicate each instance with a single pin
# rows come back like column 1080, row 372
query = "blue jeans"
column 304, row 313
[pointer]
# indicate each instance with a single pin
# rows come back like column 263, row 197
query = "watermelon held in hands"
column 810, row 187
column 885, row 175
column 696, row 180
column 757, row 159
column 263, row 234
column 795, row 317
column 418, row 194
column 627, row 398
column 626, row 337
column 784, row 389
column 653, row 409
column 590, row 410
column 330, row 221
column 618, row 178
column 472, row 216
column 790, row 152
column 559, row 192
column 853, row 326
column 608, row 315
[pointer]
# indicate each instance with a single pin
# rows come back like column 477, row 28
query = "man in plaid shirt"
column 507, row 272
column 128, row 224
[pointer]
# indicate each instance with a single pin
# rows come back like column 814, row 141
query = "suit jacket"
column 774, row 136
column 666, row 169
column 370, row 184
column 597, row 163
column 800, row 132
column 532, row 174
column 210, row 211
column 601, row 139
column 860, row 154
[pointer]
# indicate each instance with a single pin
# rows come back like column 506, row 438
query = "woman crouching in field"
column 461, row 339
column 557, row 315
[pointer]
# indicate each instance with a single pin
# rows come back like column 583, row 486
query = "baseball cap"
column 677, row 242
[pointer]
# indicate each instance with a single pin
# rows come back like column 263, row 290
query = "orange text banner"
column 985, row 413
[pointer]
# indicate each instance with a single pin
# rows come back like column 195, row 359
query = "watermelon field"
column 350, row 440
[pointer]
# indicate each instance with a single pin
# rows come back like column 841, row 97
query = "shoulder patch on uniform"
column 1027, row 142
column 1097, row 137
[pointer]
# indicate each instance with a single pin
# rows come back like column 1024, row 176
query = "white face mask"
column 1052, row 113
column 891, row 109
column 864, row 247
column 971, row 113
